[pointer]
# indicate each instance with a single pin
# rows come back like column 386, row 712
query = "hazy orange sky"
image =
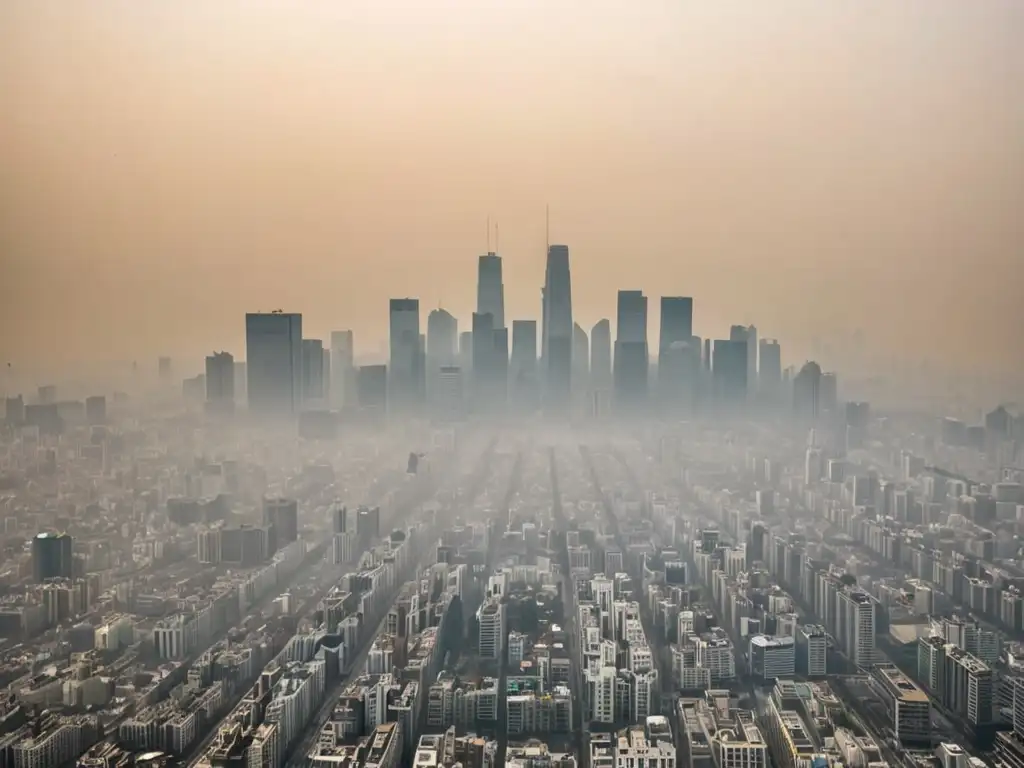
column 813, row 167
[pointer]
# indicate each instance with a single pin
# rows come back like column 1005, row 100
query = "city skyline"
column 714, row 459
column 882, row 178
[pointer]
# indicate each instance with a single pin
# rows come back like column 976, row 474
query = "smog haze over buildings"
column 527, row 385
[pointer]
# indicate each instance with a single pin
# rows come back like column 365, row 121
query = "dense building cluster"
column 519, row 544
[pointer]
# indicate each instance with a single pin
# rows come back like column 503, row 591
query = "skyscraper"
column 678, row 353
column 343, row 370
column 442, row 338
column 499, row 364
column 281, row 519
column 829, row 392
column 679, row 376
column 770, row 365
column 490, row 290
column 729, row 372
column 405, row 367
column 273, row 344
column 241, row 381
column 523, row 381
column 580, row 359
column 466, row 353
column 769, row 374
column 372, row 390
column 748, row 335
column 220, row 381
column 556, row 344
column 483, row 361
column 448, row 395
column 807, row 394
column 601, row 356
column 52, row 557
column 630, row 364
column 676, row 321
column 313, row 371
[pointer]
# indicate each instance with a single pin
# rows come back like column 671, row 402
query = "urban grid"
column 515, row 543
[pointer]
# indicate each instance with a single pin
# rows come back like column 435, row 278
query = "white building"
column 857, row 622
column 491, row 618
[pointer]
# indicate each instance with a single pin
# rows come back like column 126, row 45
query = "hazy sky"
column 812, row 167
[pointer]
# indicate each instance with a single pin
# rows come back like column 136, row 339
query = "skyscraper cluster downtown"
column 492, row 371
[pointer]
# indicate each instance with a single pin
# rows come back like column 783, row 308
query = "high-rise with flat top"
column 523, row 381
column 405, row 370
column 273, row 350
column 490, row 290
column 52, row 557
column 491, row 621
column 220, row 382
column 313, row 374
column 630, row 365
column 343, row 370
column 601, row 355
column 556, row 343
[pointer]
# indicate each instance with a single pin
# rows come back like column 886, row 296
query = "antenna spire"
column 488, row 234
column 496, row 249
column 547, row 227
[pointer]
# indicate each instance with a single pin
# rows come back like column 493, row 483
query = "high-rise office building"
column 829, row 393
column 163, row 369
column 220, row 381
column 343, row 370
column 524, row 346
column 441, row 348
column 273, row 344
column 729, row 372
column 490, row 290
column 442, row 338
column 679, row 374
column 748, row 335
column 523, row 381
column 52, row 557
column 499, row 363
column 678, row 354
column 676, row 321
column 483, row 361
column 601, row 355
column 313, row 371
column 769, row 372
column 241, row 381
column 281, row 519
column 807, row 394
column 580, row 359
column 856, row 612
column 631, row 361
column 405, row 368
column 466, row 353
column 372, row 391
column 556, row 344
column 449, row 395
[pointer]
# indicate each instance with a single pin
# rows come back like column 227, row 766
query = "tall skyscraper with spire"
column 557, row 334
column 490, row 289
